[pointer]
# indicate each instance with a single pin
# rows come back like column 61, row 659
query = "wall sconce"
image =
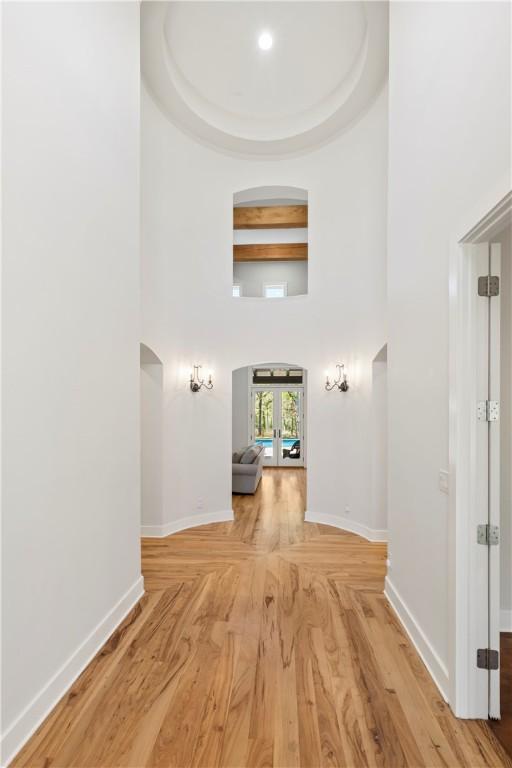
column 196, row 382
column 340, row 382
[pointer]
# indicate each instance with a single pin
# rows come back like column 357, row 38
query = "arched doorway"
column 269, row 421
column 151, row 441
column 379, row 417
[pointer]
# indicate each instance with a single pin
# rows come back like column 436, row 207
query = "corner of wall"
column 345, row 524
column 419, row 639
column 191, row 521
column 18, row 732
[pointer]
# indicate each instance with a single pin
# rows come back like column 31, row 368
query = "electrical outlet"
column 200, row 504
column 347, row 510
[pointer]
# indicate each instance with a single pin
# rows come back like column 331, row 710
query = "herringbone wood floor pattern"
column 262, row 642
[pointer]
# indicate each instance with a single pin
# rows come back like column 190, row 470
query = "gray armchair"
column 248, row 468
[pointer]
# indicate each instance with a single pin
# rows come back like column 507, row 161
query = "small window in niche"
column 274, row 291
column 237, row 291
column 270, row 242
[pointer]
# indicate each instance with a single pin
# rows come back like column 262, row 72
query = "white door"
column 290, row 422
column 277, row 423
column 487, row 476
column 262, row 422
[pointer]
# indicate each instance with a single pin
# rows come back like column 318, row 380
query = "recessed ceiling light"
column 265, row 41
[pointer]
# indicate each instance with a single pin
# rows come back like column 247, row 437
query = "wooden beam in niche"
column 271, row 217
column 271, row 252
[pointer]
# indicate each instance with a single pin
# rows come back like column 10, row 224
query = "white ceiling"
column 202, row 63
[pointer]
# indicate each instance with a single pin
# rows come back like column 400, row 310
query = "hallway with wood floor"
column 262, row 642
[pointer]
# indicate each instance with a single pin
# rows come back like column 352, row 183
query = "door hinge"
column 488, row 534
column 486, row 658
column 488, row 410
column 489, row 285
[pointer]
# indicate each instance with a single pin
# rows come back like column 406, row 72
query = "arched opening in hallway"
column 269, row 443
column 379, row 417
column 151, row 441
column 270, row 242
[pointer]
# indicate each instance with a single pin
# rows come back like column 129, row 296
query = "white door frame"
column 276, row 389
column 467, row 695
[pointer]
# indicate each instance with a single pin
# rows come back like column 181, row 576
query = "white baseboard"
column 18, row 732
column 192, row 521
column 346, row 524
column 506, row 620
column 433, row 663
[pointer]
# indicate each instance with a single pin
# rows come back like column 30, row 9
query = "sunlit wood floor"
column 262, row 642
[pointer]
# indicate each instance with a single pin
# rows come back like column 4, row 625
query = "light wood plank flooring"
column 263, row 642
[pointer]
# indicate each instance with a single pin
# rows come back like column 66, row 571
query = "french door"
column 277, row 423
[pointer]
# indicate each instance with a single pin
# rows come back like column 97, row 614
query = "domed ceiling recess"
column 203, row 63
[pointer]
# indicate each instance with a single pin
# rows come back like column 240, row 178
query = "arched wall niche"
column 151, row 440
column 379, row 442
column 148, row 356
column 270, row 242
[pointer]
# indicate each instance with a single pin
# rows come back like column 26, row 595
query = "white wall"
column 70, row 357
column 240, row 390
column 253, row 275
column 506, row 430
column 151, row 445
column 190, row 317
column 449, row 146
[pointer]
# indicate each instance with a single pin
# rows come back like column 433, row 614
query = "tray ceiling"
column 202, row 62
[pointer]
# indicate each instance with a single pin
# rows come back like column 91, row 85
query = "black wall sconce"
column 340, row 381
column 196, row 382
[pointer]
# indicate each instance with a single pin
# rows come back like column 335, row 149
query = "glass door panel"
column 263, row 420
column 290, row 428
